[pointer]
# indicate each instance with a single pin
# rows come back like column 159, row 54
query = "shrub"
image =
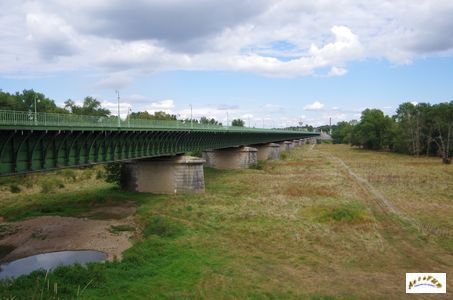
column 68, row 174
column 162, row 227
column 283, row 155
column 87, row 174
column 49, row 185
column 100, row 175
column 113, row 172
column 345, row 213
column 14, row 188
column 259, row 165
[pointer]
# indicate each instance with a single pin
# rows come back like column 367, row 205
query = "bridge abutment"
column 231, row 158
column 164, row 175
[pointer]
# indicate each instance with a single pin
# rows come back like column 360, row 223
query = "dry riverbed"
column 54, row 233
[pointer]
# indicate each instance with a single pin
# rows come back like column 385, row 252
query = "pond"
column 48, row 261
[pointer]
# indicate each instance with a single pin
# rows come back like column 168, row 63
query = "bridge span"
column 31, row 142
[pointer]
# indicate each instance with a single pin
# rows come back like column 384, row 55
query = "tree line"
column 417, row 129
column 26, row 100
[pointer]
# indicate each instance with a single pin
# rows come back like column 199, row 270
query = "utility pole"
column 330, row 125
column 129, row 111
column 191, row 122
column 36, row 110
column 118, row 96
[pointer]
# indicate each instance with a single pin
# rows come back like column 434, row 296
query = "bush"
column 162, row 227
column 68, row 174
column 345, row 213
column 87, row 174
column 49, row 185
column 283, row 155
column 14, row 188
column 113, row 172
column 100, row 175
column 260, row 165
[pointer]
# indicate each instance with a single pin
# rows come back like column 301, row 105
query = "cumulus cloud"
column 162, row 105
column 284, row 38
column 314, row 106
column 51, row 36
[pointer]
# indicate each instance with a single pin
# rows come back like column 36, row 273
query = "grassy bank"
column 294, row 228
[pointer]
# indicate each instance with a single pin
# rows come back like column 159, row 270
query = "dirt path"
column 383, row 201
column 54, row 233
column 400, row 237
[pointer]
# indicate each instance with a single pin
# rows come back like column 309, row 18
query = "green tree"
column 212, row 121
column 158, row 115
column 238, row 122
column 341, row 132
column 374, row 131
column 90, row 107
column 442, row 116
column 25, row 101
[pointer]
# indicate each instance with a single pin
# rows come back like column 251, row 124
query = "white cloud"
column 162, row 105
column 285, row 38
column 334, row 71
column 113, row 81
column 314, row 106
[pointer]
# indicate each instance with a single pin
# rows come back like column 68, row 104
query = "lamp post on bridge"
column 36, row 110
column 191, row 119
column 118, row 96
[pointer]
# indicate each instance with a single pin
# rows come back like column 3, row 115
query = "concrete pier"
column 231, row 158
column 285, row 146
column 165, row 175
column 267, row 151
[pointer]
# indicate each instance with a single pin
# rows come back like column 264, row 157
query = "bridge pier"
column 267, row 151
column 164, row 175
column 231, row 158
column 285, row 146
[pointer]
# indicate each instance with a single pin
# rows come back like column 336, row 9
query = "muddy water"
column 48, row 261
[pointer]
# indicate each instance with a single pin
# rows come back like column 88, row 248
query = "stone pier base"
column 164, row 175
column 231, row 158
column 296, row 143
column 267, row 151
column 285, row 146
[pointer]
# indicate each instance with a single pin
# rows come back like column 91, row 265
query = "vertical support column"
column 164, row 175
column 267, row 151
column 285, row 146
column 231, row 158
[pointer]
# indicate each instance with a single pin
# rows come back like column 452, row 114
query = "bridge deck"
column 44, row 141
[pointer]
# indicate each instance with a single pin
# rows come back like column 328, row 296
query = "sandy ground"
column 54, row 233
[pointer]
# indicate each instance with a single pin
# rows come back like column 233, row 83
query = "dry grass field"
column 328, row 222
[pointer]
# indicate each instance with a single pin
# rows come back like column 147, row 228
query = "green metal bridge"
column 31, row 142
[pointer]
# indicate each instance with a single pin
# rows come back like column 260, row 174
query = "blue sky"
column 275, row 63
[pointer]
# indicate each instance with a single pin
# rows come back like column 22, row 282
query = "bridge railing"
column 25, row 118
